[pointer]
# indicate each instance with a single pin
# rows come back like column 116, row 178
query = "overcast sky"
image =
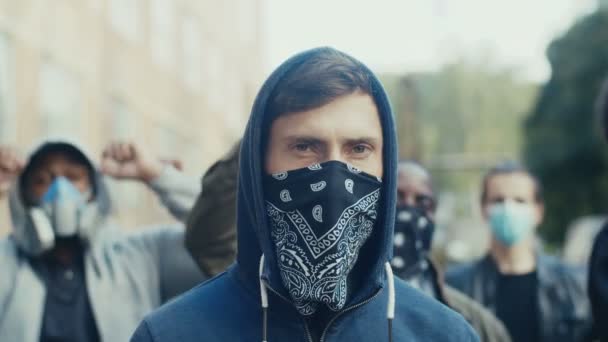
column 420, row 35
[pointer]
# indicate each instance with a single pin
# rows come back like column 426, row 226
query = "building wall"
column 176, row 76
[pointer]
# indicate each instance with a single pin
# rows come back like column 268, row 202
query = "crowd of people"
column 309, row 229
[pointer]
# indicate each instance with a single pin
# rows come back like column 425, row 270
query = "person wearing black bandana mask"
column 414, row 229
column 414, row 226
column 320, row 217
column 315, row 216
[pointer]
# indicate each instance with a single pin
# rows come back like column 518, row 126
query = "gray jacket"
column 127, row 274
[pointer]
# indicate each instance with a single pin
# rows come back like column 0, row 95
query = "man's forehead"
column 413, row 170
column 414, row 186
column 414, row 175
column 511, row 178
column 515, row 182
column 354, row 116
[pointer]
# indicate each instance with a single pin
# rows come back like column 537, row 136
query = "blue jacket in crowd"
column 228, row 307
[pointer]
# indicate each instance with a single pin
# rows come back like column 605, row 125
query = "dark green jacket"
column 211, row 226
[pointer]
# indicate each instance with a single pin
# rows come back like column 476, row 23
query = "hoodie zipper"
column 347, row 310
column 308, row 334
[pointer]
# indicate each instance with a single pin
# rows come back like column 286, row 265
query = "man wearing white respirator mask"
column 68, row 272
column 537, row 297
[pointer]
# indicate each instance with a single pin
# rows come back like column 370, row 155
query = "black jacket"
column 562, row 302
column 598, row 284
column 430, row 281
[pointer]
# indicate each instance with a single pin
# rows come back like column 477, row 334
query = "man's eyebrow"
column 309, row 139
column 303, row 139
column 363, row 140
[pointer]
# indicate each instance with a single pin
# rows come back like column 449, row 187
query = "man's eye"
column 73, row 177
column 40, row 180
column 302, row 147
column 360, row 149
column 425, row 202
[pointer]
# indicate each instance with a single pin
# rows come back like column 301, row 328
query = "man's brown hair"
column 317, row 81
column 510, row 167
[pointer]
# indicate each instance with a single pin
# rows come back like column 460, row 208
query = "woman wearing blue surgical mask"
column 536, row 296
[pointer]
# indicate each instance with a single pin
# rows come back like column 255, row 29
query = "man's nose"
column 334, row 153
column 409, row 199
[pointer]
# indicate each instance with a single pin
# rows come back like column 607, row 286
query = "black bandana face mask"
column 412, row 241
column 319, row 218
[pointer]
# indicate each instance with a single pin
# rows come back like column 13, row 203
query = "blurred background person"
column 69, row 274
column 598, row 265
column 211, row 225
column 414, row 230
column 536, row 296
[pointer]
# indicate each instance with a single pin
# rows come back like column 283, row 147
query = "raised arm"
column 127, row 160
column 11, row 165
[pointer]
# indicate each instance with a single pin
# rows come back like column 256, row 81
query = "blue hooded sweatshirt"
column 229, row 306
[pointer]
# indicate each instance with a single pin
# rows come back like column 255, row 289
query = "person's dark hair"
column 317, row 81
column 601, row 108
column 510, row 167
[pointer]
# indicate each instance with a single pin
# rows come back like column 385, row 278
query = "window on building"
column 60, row 101
column 192, row 53
column 214, row 67
column 7, row 114
column 168, row 141
column 95, row 5
column 123, row 120
column 124, row 17
column 235, row 108
column 163, row 32
column 247, row 12
column 123, row 126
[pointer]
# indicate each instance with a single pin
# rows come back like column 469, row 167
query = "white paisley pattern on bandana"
column 315, row 268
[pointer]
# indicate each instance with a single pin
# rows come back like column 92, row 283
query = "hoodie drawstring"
column 390, row 307
column 264, row 295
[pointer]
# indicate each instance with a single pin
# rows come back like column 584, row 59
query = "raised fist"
column 126, row 160
column 11, row 166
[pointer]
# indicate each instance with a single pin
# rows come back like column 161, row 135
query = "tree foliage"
column 460, row 120
column 563, row 146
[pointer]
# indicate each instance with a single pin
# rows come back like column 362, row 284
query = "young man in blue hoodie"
column 316, row 206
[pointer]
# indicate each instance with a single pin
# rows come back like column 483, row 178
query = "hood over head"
column 31, row 228
column 254, row 237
